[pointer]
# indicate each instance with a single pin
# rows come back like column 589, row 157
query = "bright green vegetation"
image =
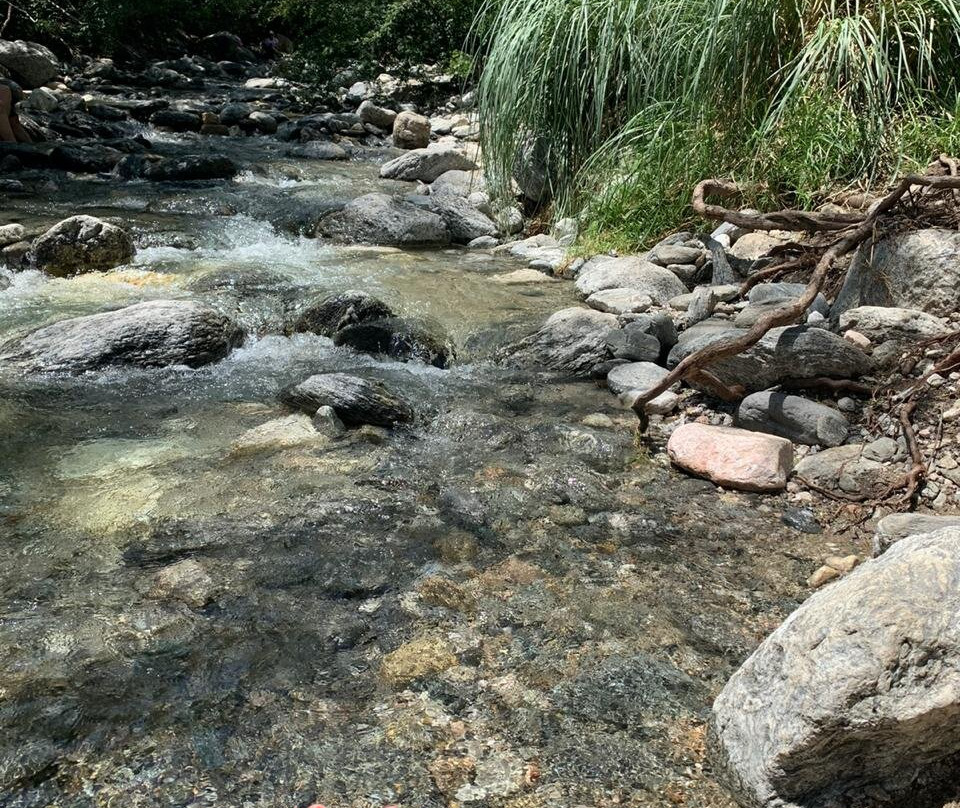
column 637, row 100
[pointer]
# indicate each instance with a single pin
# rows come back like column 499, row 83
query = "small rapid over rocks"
column 280, row 528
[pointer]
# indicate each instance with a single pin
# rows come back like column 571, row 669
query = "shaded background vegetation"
column 632, row 101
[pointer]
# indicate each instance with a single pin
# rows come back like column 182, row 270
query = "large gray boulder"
column 855, row 699
column 355, row 400
column 82, row 244
column 381, row 219
column 793, row 417
column 903, row 326
column 919, row 269
column 784, row 353
column 30, row 64
column 151, row 334
column 856, row 468
column 629, row 272
column 571, row 341
column 426, row 165
column 376, row 116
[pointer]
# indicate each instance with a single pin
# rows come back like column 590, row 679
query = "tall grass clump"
column 633, row 101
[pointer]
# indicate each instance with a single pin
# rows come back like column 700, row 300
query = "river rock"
column 151, row 334
column 619, row 301
column 82, row 244
column 426, row 165
column 41, row 100
column 919, row 269
column 667, row 254
column 323, row 150
column 330, row 313
column 355, row 400
column 11, row 234
column 783, row 353
column 903, row 326
column 411, row 131
column 634, row 344
column 853, row 469
column 856, row 694
column 399, row 338
column 190, row 168
column 629, row 272
column 263, row 122
column 377, row 116
column 30, row 64
column 186, row 581
column 381, row 219
column 91, row 159
column 899, row 526
column 464, row 222
column 458, row 183
column 176, row 120
column 793, row 417
column 658, row 323
column 634, row 379
column 733, row 458
column 234, row 112
column 571, row 341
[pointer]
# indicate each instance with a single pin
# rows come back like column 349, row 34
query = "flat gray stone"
column 619, row 301
column 633, row 380
column 426, row 165
column 899, row 526
column 903, row 326
column 380, row 219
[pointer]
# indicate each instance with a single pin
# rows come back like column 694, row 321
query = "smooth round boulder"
column 355, row 400
column 155, row 333
column 82, row 244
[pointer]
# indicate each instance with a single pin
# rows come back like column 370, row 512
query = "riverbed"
column 511, row 602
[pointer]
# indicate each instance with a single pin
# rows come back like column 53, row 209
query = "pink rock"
column 734, row 458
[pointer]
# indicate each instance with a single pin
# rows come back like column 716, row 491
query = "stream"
column 510, row 602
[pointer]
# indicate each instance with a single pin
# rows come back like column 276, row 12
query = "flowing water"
column 502, row 605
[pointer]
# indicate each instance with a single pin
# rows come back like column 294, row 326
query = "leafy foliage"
column 638, row 99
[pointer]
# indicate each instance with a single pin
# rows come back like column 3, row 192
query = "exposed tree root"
column 858, row 228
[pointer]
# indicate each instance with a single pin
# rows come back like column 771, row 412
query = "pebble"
column 802, row 519
column 858, row 340
column 598, row 420
column 822, row 576
column 847, row 404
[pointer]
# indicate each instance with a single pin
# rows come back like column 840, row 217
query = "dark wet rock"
column 856, row 693
column 532, row 172
column 381, row 219
column 224, row 45
column 783, row 353
column 793, row 417
column 106, row 112
column 263, row 122
column 138, row 109
column 177, row 169
column 234, row 113
column 176, row 120
column 30, row 64
column 426, row 165
column 151, row 334
column 82, row 244
column 919, row 269
column 85, row 159
column 355, row 400
column 330, row 313
column 802, row 519
column 571, row 341
column 399, row 338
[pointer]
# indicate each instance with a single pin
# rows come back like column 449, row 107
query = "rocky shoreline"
column 551, row 610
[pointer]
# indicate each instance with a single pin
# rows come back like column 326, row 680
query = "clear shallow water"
column 585, row 601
